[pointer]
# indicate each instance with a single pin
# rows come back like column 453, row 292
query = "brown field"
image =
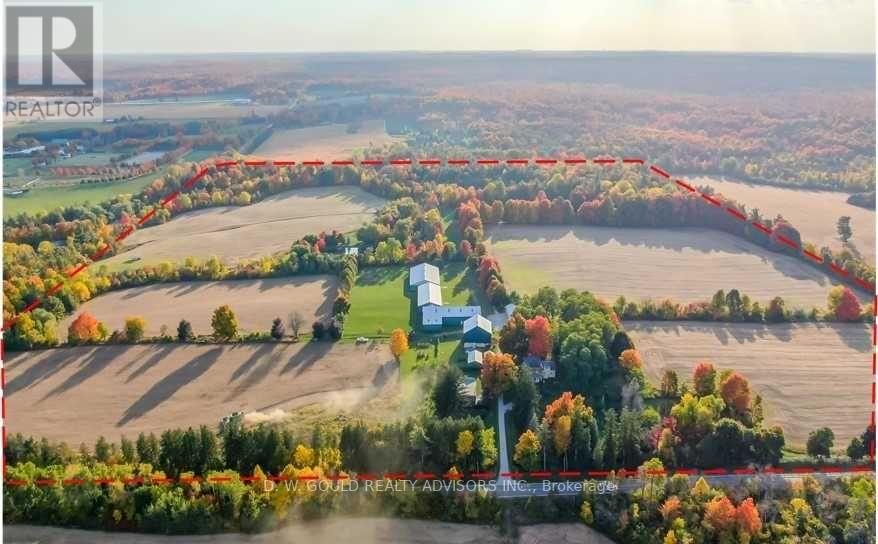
column 246, row 232
column 79, row 394
column 814, row 213
column 809, row 375
column 327, row 142
column 683, row 264
column 255, row 302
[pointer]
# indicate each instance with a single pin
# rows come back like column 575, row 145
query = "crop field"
column 263, row 228
column 809, row 375
column 79, row 394
column 255, row 302
column 325, row 142
column 683, row 264
column 814, row 213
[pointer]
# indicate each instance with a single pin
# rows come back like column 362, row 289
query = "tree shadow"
column 45, row 368
column 170, row 384
column 96, row 361
column 150, row 362
column 306, row 357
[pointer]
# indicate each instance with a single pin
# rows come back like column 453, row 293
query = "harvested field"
column 255, row 302
column 79, row 394
column 327, row 142
column 269, row 226
column 809, row 375
column 814, row 213
column 683, row 264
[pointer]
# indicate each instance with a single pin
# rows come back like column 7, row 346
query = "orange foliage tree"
column 630, row 359
column 748, row 517
column 539, row 336
column 399, row 342
column 84, row 329
column 720, row 514
column 735, row 391
column 498, row 372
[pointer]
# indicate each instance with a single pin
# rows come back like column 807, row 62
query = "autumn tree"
column 513, row 336
column 670, row 383
column 134, row 328
column 296, row 320
column 848, row 307
column 399, row 342
column 527, row 450
column 539, row 336
column 630, row 359
column 86, row 329
column 498, row 372
column 224, row 323
column 720, row 514
column 704, row 378
column 735, row 391
column 747, row 517
column 464, row 445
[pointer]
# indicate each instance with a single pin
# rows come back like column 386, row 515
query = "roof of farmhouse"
column 433, row 315
column 477, row 321
column 423, row 273
column 429, row 293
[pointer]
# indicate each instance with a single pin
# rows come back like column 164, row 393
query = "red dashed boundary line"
column 423, row 476
column 655, row 169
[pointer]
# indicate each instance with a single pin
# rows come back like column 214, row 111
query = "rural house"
column 424, row 281
column 540, row 369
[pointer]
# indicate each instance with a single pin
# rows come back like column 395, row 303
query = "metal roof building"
column 477, row 330
column 429, row 293
column 421, row 274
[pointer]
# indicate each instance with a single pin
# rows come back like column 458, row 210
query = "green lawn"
column 456, row 285
column 379, row 303
column 49, row 198
column 12, row 165
column 450, row 351
column 199, row 155
column 96, row 158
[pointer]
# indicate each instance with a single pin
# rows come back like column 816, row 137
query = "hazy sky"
column 161, row 26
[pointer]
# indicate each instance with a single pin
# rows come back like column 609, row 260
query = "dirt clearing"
column 327, row 142
column 78, row 394
column 814, row 213
column 255, row 302
column 687, row 265
column 809, row 375
column 246, row 232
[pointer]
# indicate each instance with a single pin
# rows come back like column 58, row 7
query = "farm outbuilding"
column 421, row 274
column 477, row 330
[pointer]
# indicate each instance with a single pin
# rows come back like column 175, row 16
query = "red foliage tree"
column 748, row 517
column 848, row 307
column 704, row 378
column 735, row 391
column 539, row 336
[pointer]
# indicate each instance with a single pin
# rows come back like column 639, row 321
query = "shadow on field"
column 150, row 362
column 307, row 356
column 167, row 386
column 45, row 368
column 91, row 365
